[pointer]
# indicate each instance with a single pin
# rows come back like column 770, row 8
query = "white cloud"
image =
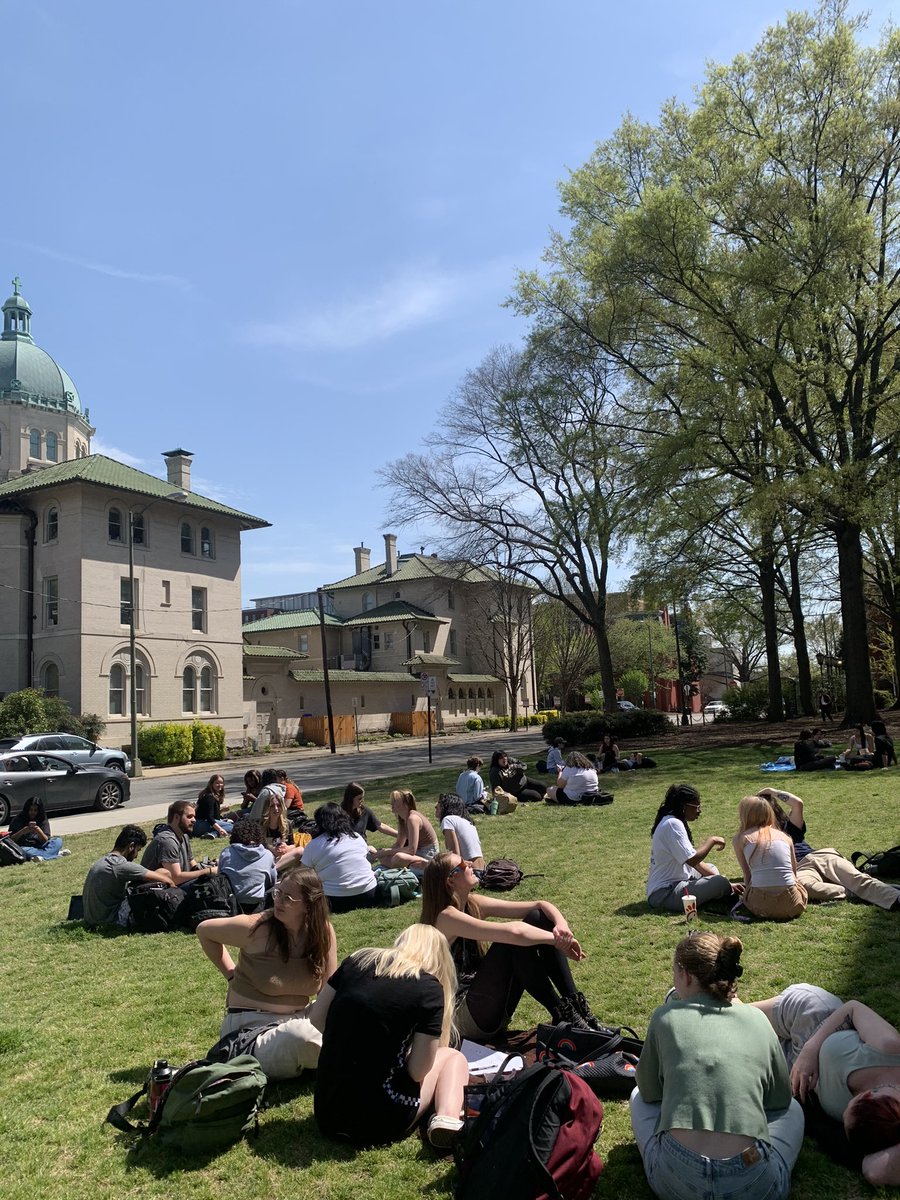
column 101, row 268
column 416, row 297
column 98, row 446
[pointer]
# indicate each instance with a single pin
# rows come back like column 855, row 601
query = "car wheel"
column 109, row 796
column 5, row 811
column 116, row 764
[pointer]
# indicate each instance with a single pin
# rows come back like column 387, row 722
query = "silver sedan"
column 59, row 784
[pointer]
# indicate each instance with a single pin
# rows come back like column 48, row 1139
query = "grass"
column 85, row 1014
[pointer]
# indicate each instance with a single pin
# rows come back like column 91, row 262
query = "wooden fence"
column 315, row 729
column 415, row 723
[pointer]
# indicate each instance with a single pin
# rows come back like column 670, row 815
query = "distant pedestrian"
column 825, row 706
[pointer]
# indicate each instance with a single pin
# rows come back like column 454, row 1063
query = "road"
column 312, row 772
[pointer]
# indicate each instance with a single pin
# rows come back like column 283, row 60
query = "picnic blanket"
column 784, row 763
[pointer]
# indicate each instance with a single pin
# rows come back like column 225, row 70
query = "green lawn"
column 85, row 1014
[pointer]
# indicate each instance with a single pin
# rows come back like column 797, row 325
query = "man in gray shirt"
column 170, row 848
column 103, row 895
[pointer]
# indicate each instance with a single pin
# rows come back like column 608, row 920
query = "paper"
column 484, row 1061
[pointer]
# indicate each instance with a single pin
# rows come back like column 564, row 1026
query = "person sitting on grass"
column 526, row 948
column 340, row 857
column 170, row 847
column 849, row 1057
column 509, row 774
column 386, row 1018
column 885, row 754
column 103, row 895
column 806, row 757
column 578, row 778
column 712, row 1111
column 362, row 819
column 460, row 835
column 860, row 752
column 269, row 787
column 766, row 857
column 252, row 785
column 30, row 830
column 470, row 785
column 676, row 867
column 555, row 761
column 287, row 954
column 210, row 819
column 608, row 761
column 416, row 842
column 249, row 865
column 825, row 874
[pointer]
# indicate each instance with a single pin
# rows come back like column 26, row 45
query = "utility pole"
column 328, row 708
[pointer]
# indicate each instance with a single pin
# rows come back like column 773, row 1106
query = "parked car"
column 60, row 784
column 716, row 708
column 626, row 706
column 71, row 748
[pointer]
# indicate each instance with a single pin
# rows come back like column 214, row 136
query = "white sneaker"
column 443, row 1131
column 63, row 853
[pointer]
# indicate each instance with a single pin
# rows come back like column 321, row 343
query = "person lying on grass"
column 528, row 946
column 286, row 956
column 712, row 1112
column 386, row 1019
column 676, row 867
column 825, row 874
column 849, row 1057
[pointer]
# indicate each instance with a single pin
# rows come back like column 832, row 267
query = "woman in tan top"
column 286, row 955
column 416, row 843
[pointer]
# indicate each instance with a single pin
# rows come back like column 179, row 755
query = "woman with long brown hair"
column 527, row 945
column 362, row 819
column 287, row 954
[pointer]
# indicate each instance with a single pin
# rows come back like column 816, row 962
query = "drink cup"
column 493, row 807
column 690, row 906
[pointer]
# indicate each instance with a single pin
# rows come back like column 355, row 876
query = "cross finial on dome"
column 17, row 283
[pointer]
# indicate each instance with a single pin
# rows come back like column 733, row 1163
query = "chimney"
column 178, row 468
column 390, row 554
column 362, row 558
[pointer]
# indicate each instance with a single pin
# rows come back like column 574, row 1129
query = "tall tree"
column 565, row 650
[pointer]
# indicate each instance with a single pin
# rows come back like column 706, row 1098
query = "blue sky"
column 279, row 234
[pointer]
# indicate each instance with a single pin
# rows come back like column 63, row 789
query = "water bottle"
column 160, row 1081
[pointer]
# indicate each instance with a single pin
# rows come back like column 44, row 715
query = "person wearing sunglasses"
column 676, row 866
column 501, row 949
column 287, row 954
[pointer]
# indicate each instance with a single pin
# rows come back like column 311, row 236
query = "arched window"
column 114, row 524
column 189, row 690
column 34, row 444
column 206, row 690
column 117, row 690
column 50, row 679
column 368, row 601
column 51, row 525
column 207, row 543
column 52, row 447
column 451, row 695
column 138, row 536
column 187, row 539
column 140, row 690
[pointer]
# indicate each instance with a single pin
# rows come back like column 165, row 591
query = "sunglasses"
column 281, row 894
column 459, row 867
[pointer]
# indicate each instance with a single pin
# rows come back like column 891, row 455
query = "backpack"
column 153, row 907
column 396, row 885
column 208, row 898
column 883, row 863
column 11, row 853
column 208, row 1106
column 502, row 875
column 605, row 1058
column 238, row 1042
column 532, row 1138
column 506, row 802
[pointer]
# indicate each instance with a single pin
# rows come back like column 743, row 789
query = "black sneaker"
column 566, row 1013
column 584, row 1011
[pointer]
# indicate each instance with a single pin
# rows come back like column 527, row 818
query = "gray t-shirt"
column 165, row 848
column 104, row 888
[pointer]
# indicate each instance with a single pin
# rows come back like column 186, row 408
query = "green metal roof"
column 28, row 375
column 254, row 651
column 473, row 679
column 295, row 620
column 395, row 610
column 354, row 677
column 105, row 472
column 431, row 660
column 415, row 566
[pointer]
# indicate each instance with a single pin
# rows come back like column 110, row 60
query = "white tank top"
column 770, row 863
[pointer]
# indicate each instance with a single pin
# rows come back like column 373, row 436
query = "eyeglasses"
column 281, row 894
column 459, row 867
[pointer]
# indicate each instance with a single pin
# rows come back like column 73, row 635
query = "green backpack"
column 209, row 1106
column 396, row 885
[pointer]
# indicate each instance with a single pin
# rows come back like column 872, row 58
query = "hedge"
column 582, row 728
column 171, row 744
column 208, row 742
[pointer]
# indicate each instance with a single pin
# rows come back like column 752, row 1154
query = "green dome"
column 27, row 371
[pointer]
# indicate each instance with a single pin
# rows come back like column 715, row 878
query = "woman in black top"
column 508, row 774
column 31, row 830
column 362, row 819
column 386, row 1019
column 210, row 822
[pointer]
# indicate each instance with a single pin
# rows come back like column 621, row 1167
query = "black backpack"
column 532, row 1138
column 502, row 875
column 208, row 898
column 885, row 864
column 11, row 853
column 153, row 907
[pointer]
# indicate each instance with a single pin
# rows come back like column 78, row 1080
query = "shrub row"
column 171, row 744
column 583, row 728
column 537, row 718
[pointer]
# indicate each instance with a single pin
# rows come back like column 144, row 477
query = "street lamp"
column 136, row 768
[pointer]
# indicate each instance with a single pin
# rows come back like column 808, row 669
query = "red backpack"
column 532, row 1138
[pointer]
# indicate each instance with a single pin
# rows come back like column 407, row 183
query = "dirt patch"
column 753, row 733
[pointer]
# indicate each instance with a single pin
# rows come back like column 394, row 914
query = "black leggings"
column 508, row 971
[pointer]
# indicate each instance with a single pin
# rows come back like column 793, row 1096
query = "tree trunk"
column 857, row 666
column 801, row 647
column 604, row 660
column 770, row 625
column 895, row 640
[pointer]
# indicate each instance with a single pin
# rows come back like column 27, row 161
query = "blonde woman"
column 767, row 859
column 416, row 842
column 386, row 1022
column 274, row 822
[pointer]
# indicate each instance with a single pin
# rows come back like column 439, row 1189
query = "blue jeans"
column 203, row 827
column 676, row 1173
column 50, row 849
column 704, row 887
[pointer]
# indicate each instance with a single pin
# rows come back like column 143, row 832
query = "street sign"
column 429, row 684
